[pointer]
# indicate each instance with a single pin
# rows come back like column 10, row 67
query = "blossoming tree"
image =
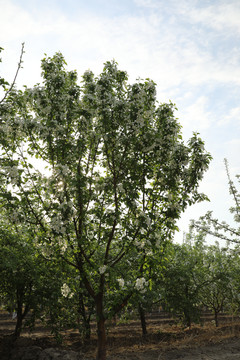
column 221, row 230
column 118, row 176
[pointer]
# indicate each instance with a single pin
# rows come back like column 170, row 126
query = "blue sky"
column 190, row 48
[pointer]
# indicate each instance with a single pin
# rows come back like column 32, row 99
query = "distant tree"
column 215, row 227
column 119, row 176
column 217, row 295
column 183, row 279
column 21, row 282
column 150, row 296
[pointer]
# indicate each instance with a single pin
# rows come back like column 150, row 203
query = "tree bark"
column 20, row 313
column 18, row 326
column 85, row 319
column 187, row 317
column 101, row 331
column 143, row 319
column 216, row 318
column 87, row 333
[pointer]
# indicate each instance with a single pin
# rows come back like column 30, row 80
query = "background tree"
column 234, row 280
column 119, row 176
column 217, row 295
column 222, row 230
column 184, row 277
column 148, row 297
column 20, row 267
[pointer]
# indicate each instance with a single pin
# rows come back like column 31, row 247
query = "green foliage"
column 183, row 279
column 200, row 277
column 218, row 293
column 20, row 268
column 118, row 177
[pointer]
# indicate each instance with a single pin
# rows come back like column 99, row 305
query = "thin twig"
column 15, row 77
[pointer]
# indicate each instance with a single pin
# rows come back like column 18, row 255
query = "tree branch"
column 15, row 77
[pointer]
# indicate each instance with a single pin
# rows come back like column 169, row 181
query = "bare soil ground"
column 165, row 340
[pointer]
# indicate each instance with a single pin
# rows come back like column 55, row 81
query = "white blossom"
column 121, row 282
column 102, row 269
column 142, row 244
column 6, row 129
column 138, row 243
column 12, row 172
column 63, row 245
column 136, row 222
column 149, row 253
column 141, row 284
column 65, row 290
column 65, row 170
column 148, row 221
column 46, row 250
column 14, row 216
column 58, row 226
column 120, row 187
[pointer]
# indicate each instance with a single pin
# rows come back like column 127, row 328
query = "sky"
column 190, row 48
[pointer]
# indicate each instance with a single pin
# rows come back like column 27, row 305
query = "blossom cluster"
column 121, row 282
column 63, row 245
column 12, row 172
column 66, row 291
column 102, row 269
column 46, row 250
column 62, row 170
column 57, row 225
column 141, row 284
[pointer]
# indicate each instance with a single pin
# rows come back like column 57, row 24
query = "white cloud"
column 221, row 17
column 147, row 3
column 194, row 54
column 18, row 23
column 196, row 116
column 232, row 151
column 145, row 45
column 232, row 117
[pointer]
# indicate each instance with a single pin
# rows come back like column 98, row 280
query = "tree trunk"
column 18, row 326
column 87, row 329
column 216, row 318
column 101, row 332
column 85, row 319
column 143, row 319
column 187, row 317
column 20, row 313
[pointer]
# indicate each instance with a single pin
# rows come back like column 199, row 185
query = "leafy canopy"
column 118, row 172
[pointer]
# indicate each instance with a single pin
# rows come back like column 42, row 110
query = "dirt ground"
column 164, row 341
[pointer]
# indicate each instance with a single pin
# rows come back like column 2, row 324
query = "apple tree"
column 117, row 176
